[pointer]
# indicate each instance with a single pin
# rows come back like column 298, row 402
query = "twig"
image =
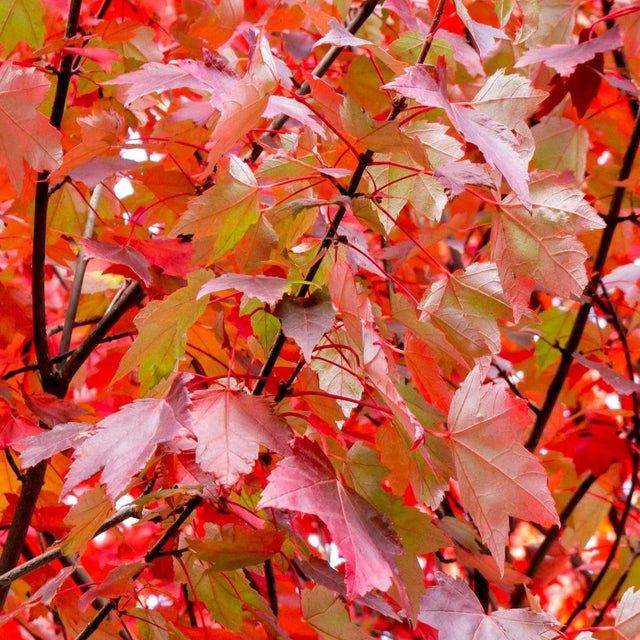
column 432, row 31
column 78, row 276
column 614, row 547
column 63, row 356
column 51, row 555
column 131, row 297
column 153, row 553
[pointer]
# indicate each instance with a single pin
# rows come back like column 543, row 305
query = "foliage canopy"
column 320, row 319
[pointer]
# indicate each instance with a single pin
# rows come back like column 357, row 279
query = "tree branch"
column 152, row 554
column 78, row 276
column 132, row 296
column 51, row 555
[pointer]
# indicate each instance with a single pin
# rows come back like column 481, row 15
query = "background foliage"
column 320, row 320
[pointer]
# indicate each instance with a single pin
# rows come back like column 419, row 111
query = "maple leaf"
column 467, row 306
column 627, row 625
column 124, row 441
column 126, row 260
column 564, row 58
column 224, row 212
column 233, row 547
column 541, row 247
column 215, row 81
column 230, row 426
column 339, row 36
column 21, row 20
column 306, row 321
column 25, row 133
column 265, row 288
column 245, row 104
column 509, row 99
column 162, row 332
column 455, row 611
column 328, row 615
column 496, row 141
column 498, row 477
column 307, row 482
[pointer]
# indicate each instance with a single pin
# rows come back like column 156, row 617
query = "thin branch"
column 42, row 205
column 616, row 589
column 51, row 555
column 155, row 552
column 572, row 344
column 78, row 276
column 63, row 356
column 432, row 31
column 131, row 297
column 20, row 523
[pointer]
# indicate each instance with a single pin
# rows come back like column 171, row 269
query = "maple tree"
column 320, row 319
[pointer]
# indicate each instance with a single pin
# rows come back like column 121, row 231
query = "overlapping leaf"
column 230, row 426
column 467, row 306
column 25, row 133
column 455, row 611
column 542, row 247
column 307, row 482
column 496, row 141
column 124, row 441
column 498, row 477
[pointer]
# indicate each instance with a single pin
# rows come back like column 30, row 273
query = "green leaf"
column 225, row 212
column 162, row 332
column 328, row 615
column 21, row 20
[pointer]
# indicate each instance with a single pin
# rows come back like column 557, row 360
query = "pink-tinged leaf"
column 244, row 105
column 496, row 141
column 265, row 288
column 466, row 307
column 97, row 169
column 44, row 594
column 509, row 99
column 230, row 427
column 625, row 278
column 52, row 410
column 154, row 77
column 564, row 58
column 541, row 246
column 455, row 611
column 455, row 175
column 306, row 482
column 620, row 383
column 103, row 56
column 483, row 35
column 627, row 626
column 498, row 477
column 134, row 263
column 124, row 442
column 306, row 321
column 47, row 443
column 340, row 36
column 294, row 109
column 119, row 581
column 25, row 133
